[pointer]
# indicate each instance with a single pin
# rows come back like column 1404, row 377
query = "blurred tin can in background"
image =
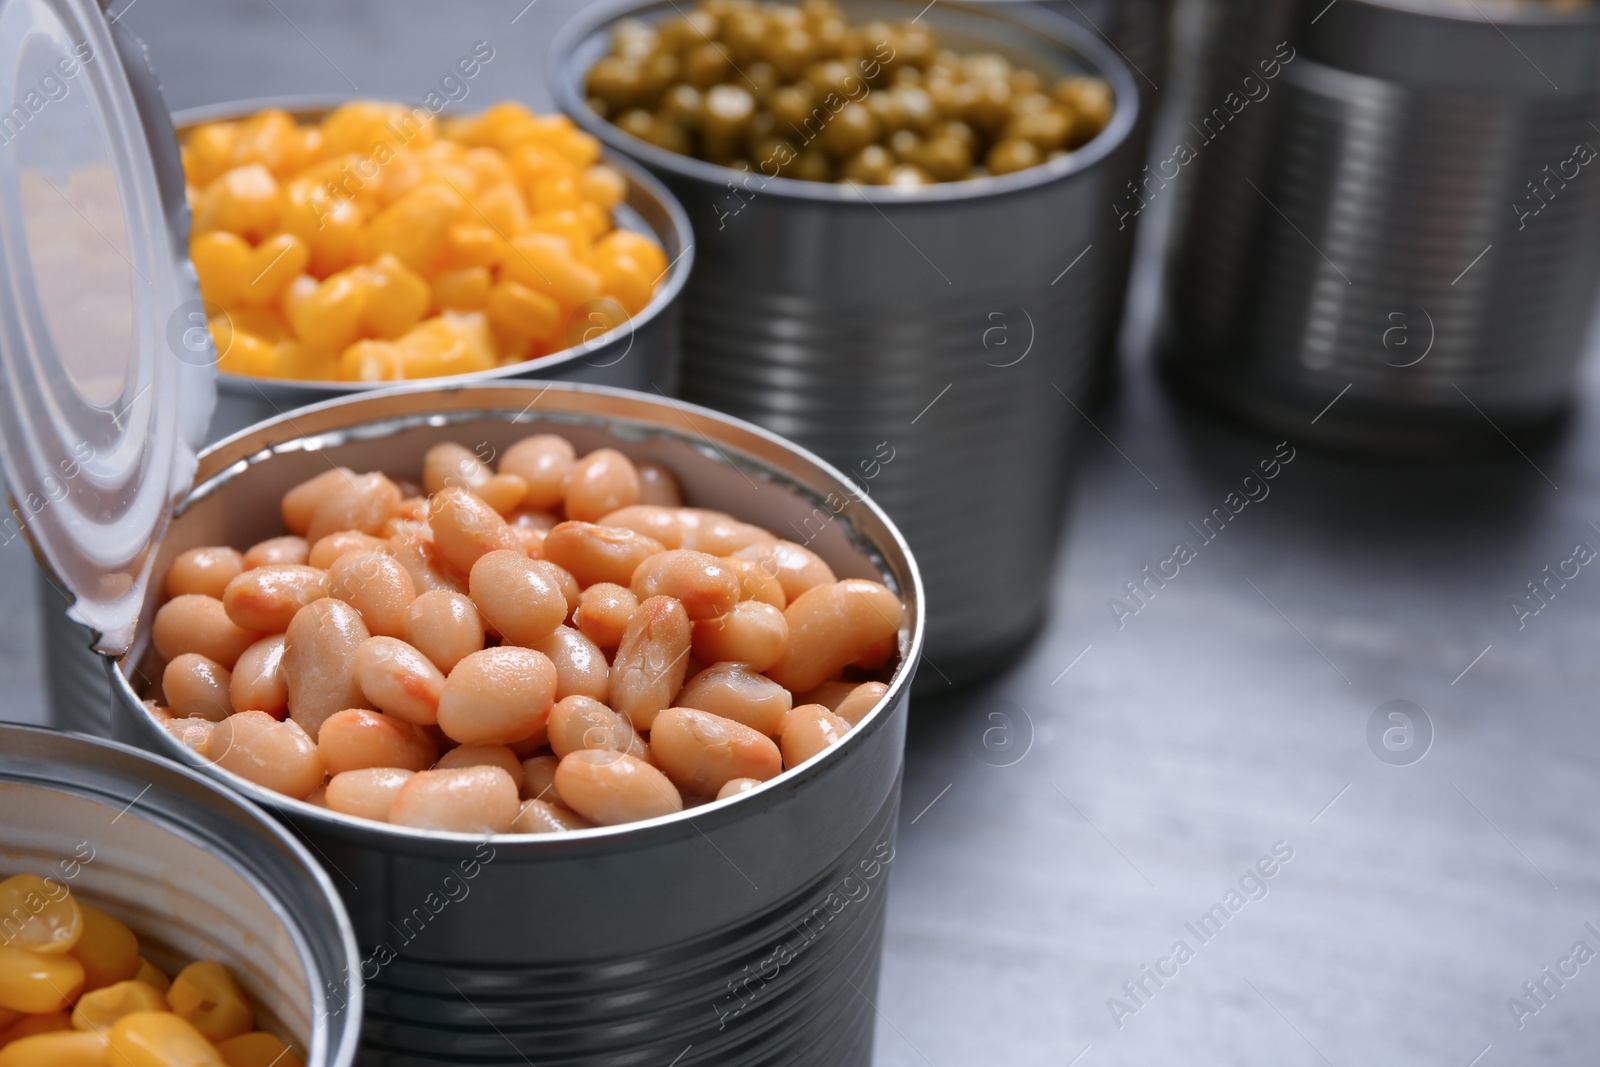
column 1391, row 236
column 932, row 342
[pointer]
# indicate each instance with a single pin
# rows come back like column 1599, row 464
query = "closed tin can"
column 933, row 343
column 741, row 932
column 1401, row 247
column 193, row 871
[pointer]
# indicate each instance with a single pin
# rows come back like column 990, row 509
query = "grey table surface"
column 1068, row 824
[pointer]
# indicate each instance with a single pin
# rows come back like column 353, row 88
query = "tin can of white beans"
column 194, row 871
column 746, row 931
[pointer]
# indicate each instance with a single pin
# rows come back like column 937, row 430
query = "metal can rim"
column 308, row 106
column 638, row 835
column 344, row 1052
column 1496, row 13
column 564, row 83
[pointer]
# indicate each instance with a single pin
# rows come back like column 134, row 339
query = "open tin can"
column 745, row 931
column 933, row 342
column 640, row 354
column 193, row 871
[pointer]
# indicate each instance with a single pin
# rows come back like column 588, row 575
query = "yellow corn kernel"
column 453, row 343
column 625, row 280
column 602, row 186
column 546, row 129
column 394, row 178
column 108, row 950
column 461, row 290
column 265, row 321
column 588, row 324
column 275, row 263
column 98, row 1011
column 38, row 914
column 220, row 261
column 152, row 976
column 329, row 316
column 159, row 1039
column 43, row 1023
column 245, row 200
column 329, row 225
column 487, row 128
column 502, row 209
column 413, row 228
column 544, row 263
column 566, row 224
column 471, row 244
column 62, row 1049
column 396, row 298
column 518, row 310
column 596, row 219
column 299, row 362
column 576, row 145
column 532, row 162
column 208, row 152
column 363, row 125
column 553, row 192
column 257, row 1049
column 515, row 347
column 371, row 361
column 457, row 176
column 637, row 245
column 460, row 340
column 295, row 295
column 433, row 355
column 37, row 982
column 489, row 167
column 244, row 353
column 273, row 139
column 205, row 994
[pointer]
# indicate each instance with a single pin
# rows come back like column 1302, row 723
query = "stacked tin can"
column 1391, row 235
column 932, row 342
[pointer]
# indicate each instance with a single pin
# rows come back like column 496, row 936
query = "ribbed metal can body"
column 76, row 688
column 932, row 343
column 1409, row 225
column 742, row 932
column 193, row 871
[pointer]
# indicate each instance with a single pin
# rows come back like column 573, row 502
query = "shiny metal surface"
column 697, row 935
column 921, row 340
column 101, row 413
column 1408, row 223
column 194, row 871
column 76, row 686
column 642, row 355
column 1140, row 32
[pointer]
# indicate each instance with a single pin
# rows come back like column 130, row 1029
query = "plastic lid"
column 109, row 372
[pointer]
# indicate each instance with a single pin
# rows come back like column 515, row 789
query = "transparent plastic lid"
column 109, row 372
